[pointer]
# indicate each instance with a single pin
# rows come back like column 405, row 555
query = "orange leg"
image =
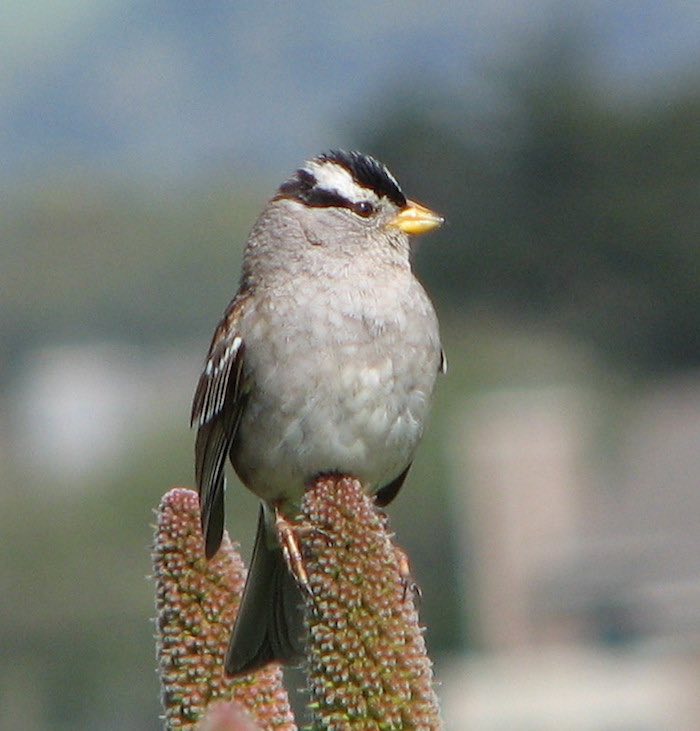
column 286, row 533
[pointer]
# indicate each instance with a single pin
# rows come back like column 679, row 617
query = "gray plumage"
column 324, row 362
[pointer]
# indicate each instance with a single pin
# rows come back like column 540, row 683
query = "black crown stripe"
column 368, row 172
column 365, row 171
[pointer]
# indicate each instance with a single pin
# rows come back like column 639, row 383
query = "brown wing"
column 216, row 412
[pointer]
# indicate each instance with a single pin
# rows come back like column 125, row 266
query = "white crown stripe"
column 334, row 177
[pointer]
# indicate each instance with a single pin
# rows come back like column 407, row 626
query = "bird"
column 323, row 363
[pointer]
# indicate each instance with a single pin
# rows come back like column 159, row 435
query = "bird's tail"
column 269, row 626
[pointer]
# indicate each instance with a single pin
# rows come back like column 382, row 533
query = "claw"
column 409, row 585
column 286, row 532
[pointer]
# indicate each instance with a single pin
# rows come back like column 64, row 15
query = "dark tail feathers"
column 269, row 626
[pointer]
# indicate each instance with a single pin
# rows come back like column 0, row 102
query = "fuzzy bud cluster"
column 367, row 662
column 196, row 603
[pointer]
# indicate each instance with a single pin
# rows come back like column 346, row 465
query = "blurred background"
column 553, row 513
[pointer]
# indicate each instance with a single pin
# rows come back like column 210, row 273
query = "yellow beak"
column 416, row 219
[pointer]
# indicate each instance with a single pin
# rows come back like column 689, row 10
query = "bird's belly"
column 347, row 409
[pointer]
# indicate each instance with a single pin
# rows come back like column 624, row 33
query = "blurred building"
column 79, row 408
column 585, row 576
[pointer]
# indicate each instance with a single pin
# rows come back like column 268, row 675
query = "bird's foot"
column 407, row 581
column 288, row 534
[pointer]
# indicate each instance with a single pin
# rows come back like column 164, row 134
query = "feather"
column 443, row 362
column 217, row 408
column 269, row 626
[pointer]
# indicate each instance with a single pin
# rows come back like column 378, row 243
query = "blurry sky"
column 173, row 88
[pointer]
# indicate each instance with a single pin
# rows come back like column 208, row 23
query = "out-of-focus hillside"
column 84, row 259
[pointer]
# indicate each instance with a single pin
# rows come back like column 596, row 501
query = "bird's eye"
column 363, row 208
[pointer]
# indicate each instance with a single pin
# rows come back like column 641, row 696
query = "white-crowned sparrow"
column 324, row 362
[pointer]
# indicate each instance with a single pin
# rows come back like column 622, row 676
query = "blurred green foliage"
column 87, row 259
column 567, row 206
